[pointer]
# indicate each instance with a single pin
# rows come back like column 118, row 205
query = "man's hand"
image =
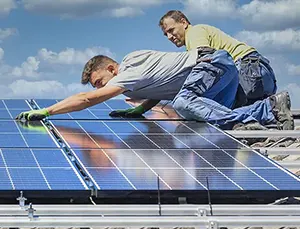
column 131, row 112
column 33, row 115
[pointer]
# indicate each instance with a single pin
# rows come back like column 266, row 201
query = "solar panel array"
column 127, row 154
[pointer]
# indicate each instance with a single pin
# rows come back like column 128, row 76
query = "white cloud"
column 293, row 70
column 293, row 90
column 272, row 15
column 29, row 68
column 274, row 41
column 1, row 54
column 32, row 78
column 6, row 6
column 210, row 8
column 43, row 89
column 5, row 33
column 70, row 56
column 81, row 8
column 126, row 12
column 256, row 15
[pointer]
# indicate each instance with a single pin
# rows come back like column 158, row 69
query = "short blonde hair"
column 94, row 64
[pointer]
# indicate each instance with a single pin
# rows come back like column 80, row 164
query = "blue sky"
column 45, row 43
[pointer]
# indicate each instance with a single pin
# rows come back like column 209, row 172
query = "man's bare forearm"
column 84, row 100
column 149, row 103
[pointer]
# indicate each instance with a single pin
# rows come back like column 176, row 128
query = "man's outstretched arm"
column 74, row 103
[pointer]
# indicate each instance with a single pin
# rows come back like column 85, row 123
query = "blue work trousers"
column 256, row 77
column 209, row 91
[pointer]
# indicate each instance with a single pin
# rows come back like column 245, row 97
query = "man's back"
column 206, row 35
column 152, row 74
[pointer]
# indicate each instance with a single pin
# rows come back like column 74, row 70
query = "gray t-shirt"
column 149, row 74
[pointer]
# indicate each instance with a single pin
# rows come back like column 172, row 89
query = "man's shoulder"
column 202, row 26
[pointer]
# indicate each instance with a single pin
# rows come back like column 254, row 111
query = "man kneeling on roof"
column 201, row 84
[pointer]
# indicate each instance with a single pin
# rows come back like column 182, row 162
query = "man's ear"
column 111, row 68
column 184, row 22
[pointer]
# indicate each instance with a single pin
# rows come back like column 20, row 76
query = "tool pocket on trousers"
column 251, row 79
column 202, row 78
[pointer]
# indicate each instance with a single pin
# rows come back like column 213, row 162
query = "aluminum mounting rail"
column 211, row 222
column 152, row 210
column 263, row 133
column 279, row 150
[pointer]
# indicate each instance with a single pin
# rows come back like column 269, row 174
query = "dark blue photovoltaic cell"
column 137, row 141
column 166, row 141
column 95, row 127
column 144, row 179
column 188, row 159
column 5, row 183
column 215, row 179
column 110, row 179
column 174, row 127
column 178, row 179
column 157, row 159
column 219, row 158
column 19, row 158
column 81, row 141
column 68, row 127
column 32, row 127
column 250, row 158
column 8, row 127
column 246, row 179
column 223, row 141
column 28, row 179
column 148, row 127
column 62, row 179
column 1, row 159
column 100, row 106
column 50, row 158
column 280, row 178
column 4, row 114
column 39, row 141
column 120, row 127
column 93, row 158
column 11, row 140
column 103, row 114
column 108, row 141
column 42, row 103
column 2, row 105
column 83, row 114
column 201, row 127
column 16, row 103
column 125, row 158
column 60, row 116
column 195, row 141
column 115, row 104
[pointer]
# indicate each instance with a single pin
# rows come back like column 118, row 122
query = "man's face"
column 100, row 77
column 175, row 31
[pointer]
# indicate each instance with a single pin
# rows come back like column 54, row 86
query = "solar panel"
column 89, row 150
column 191, row 152
column 30, row 157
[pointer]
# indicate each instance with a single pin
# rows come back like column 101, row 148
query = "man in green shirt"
column 256, row 76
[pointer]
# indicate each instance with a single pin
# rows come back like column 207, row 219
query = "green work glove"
column 131, row 112
column 33, row 115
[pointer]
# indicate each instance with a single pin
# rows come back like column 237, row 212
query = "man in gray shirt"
column 201, row 84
